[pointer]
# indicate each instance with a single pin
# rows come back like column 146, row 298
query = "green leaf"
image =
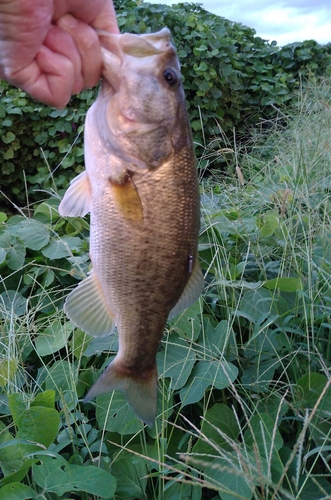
column 188, row 324
column 130, row 471
column 3, row 217
column 17, row 405
column 79, row 342
column 263, row 435
column 8, row 137
column 256, row 305
column 11, row 456
column 33, row 234
column 219, row 419
column 12, row 302
column 213, row 340
column 284, row 284
column 8, row 369
column 16, row 491
column 309, row 389
column 45, row 399
column 48, row 211
column 270, row 223
column 9, row 154
column 16, row 254
column 59, row 477
column 179, row 491
column 38, row 424
column 176, row 361
column 205, row 374
column 115, row 415
column 18, row 475
column 228, row 478
column 3, row 254
column 62, row 247
column 61, row 376
column 53, row 338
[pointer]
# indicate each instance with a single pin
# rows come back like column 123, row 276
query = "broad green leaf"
column 8, row 369
column 5, row 240
column 16, row 491
column 13, row 303
column 176, row 361
column 3, row 217
column 8, row 137
column 255, row 305
column 17, row 405
column 229, row 479
column 205, row 374
column 284, row 284
column 53, row 338
column 188, row 324
column 9, row 154
column 48, row 211
column 115, row 415
column 3, row 254
column 61, row 376
column 16, row 254
column 178, row 491
column 62, row 247
column 261, row 434
column 11, row 457
column 218, row 418
column 59, row 477
column 18, row 475
column 270, row 224
column 45, row 399
column 38, row 424
column 98, row 345
column 314, row 487
column 33, row 234
column 213, row 340
column 309, row 389
column 79, row 342
column 130, row 471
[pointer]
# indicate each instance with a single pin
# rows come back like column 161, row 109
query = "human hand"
column 50, row 49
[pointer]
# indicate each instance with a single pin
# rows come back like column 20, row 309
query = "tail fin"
column 140, row 393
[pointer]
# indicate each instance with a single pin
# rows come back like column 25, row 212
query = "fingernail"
column 67, row 22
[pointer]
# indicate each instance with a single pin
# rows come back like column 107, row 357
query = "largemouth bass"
column 141, row 188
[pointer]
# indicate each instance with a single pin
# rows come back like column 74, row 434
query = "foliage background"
column 233, row 80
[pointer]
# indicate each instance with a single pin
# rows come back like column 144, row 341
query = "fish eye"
column 170, row 77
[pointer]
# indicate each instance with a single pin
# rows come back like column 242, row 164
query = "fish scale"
column 141, row 188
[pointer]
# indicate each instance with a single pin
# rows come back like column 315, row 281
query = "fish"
column 140, row 186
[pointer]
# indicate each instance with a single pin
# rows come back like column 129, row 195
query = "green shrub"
column 232, row 79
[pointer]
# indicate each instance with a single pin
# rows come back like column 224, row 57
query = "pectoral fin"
column 191, row 292
column 128, row 200
column 77, row 200
column 85, row 306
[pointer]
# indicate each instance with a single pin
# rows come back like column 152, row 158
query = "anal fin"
column 77, row 200
column 191, row 292
column 85, row 306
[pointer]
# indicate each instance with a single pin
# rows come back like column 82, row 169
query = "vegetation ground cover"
column 244, row 374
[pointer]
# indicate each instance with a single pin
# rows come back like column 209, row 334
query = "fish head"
column 142, row 97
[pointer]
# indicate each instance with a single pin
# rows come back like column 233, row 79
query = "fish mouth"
column 115, row 47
